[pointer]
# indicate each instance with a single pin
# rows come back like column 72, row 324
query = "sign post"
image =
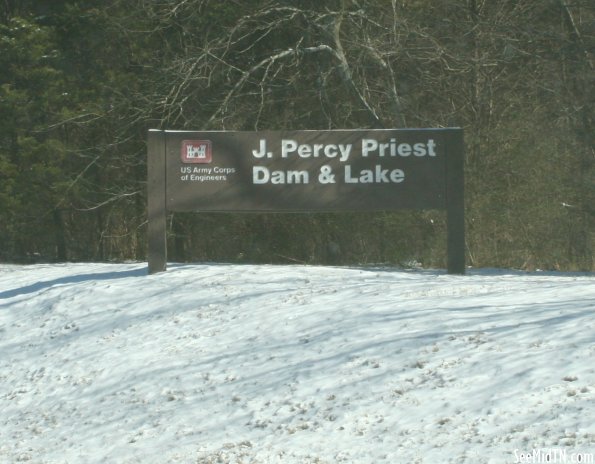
column 334, row 170
column 157, row 211
column 455, row 203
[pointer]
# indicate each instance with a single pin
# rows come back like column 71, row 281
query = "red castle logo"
column 196, row 151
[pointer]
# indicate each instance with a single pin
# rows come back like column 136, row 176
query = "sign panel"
column 339, row 170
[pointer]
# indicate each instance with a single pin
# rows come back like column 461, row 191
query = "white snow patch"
column 102, row 363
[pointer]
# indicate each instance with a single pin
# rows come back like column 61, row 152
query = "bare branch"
column 577, row 33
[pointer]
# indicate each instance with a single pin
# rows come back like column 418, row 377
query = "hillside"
column 293, row 364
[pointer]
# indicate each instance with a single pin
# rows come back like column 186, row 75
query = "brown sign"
column 338, row 170
column 306, row 170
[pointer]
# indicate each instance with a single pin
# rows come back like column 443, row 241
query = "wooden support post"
column 157, row 241
column 455, row 202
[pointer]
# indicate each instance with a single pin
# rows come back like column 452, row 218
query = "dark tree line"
column 82, row 81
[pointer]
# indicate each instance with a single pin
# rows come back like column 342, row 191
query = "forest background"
column 81, row 82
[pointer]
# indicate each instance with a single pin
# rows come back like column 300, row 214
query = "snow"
column 218, row 363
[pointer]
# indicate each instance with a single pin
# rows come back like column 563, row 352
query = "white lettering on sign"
column 342, row 151
column 262, row 150
column 293, row 150
column 392, row 148
column 263, row 175
column 316, row 150
column 376, row 176
column 206, row 174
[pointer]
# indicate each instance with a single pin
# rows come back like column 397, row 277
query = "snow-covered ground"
column 294, row 364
